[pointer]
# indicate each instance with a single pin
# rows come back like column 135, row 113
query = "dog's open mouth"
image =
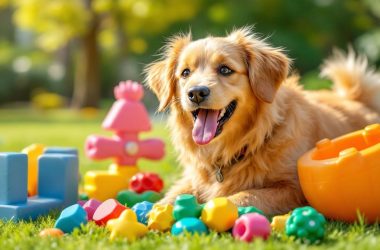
column 208, row 123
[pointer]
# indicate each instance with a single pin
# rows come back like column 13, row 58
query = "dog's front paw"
column 240, row 200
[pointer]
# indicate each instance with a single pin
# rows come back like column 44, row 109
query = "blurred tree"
column 369, row 42
column 113, row 23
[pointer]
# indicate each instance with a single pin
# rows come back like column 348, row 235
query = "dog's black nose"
column 198, row 94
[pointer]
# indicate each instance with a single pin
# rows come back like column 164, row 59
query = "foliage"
column 131, row 32
column 59, row 21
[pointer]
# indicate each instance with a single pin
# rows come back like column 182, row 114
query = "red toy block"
column 142, row 182
column 110, row 209
column 90, row 206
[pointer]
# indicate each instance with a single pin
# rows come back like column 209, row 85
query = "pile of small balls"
column 186, row 215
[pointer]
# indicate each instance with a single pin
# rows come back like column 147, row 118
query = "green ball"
column 83, row 197
column 186, row 206
column 248, row 210
column 306, row 224
column 130, row 198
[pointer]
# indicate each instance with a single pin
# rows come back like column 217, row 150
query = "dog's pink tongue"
column 205, row 126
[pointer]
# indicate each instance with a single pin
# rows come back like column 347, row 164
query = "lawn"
column 19, row 128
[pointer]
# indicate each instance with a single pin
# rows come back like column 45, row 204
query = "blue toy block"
column 58, row 177
column 13, row 178
column 142, row 209
column 57, row 187
column 191, row 225
column 34, row 207
column 61, row 150
column 71, row 217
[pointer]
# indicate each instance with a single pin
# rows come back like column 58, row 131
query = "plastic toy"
column 130, row 198
column 14, row 182
column 83, row 197
column 105, row 184
column 127, row 118
column 110, row 209
column 126, row 226
column 90, row 207
column 279, row 222
column 51, row 232
column 219, row 214
column 142, row 209
column 161, row 217
column 57, row 185
column 61, row 150
column 71, row 217
column 33, row 151
column 307, row 224
column 186, row 205
column 81, row 203
column 190, row 225
column 248, row 210
column 340, row 177
column 251, row 226
column 142, row 182
column 59, row 173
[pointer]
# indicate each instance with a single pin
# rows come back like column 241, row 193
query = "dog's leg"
column 272, row 201
column 183, row 186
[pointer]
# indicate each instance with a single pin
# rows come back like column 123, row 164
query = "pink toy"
column 251, row 226
column 110, row 209
column 127, row 117
column 81, row 203
column 90, row 206
column 142, row 182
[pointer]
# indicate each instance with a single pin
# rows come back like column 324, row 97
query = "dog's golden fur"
column 274, row 123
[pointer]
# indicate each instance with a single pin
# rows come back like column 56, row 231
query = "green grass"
column 19, row 128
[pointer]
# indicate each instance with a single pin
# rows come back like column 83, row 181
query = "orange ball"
column 51, row 232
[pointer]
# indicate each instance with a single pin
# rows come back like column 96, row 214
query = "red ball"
column 109, row 209
column 142, row 182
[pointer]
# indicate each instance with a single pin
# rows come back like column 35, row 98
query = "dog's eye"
column 185, row 73
column 224, row 70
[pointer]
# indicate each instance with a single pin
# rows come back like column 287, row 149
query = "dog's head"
column 217, row 80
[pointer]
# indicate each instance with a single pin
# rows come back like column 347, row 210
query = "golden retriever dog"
column 239, row 121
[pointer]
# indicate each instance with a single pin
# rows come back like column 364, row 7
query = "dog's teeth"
column 222, row 113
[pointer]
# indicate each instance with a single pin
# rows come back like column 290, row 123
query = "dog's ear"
column 267, row 66
column 160, row 75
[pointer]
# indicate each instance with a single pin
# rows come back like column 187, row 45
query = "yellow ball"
column 161, row 217
column 279, row 222
column 219, row 214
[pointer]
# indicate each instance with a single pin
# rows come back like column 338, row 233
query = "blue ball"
column 142, row 209
column 190, row 225
column 71, row 217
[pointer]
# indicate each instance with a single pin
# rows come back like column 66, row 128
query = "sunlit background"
column 70, row 53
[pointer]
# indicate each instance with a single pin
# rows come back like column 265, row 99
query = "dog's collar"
column 237, row 158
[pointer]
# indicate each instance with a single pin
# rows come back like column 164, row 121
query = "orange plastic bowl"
column 341, row 177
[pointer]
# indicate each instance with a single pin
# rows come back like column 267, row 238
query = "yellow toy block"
column 33, row 151
column 219, row 214
column 103, row 185
column 161, row 217
column 279, row 222
column 126, row 226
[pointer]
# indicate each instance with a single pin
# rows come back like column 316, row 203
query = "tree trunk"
column 87, row 75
